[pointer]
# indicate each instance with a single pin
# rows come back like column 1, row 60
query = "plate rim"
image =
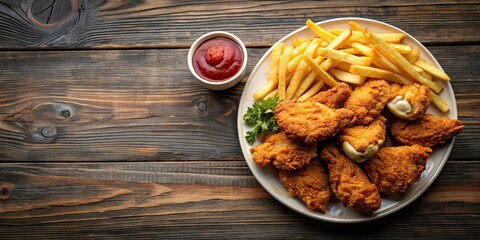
column 322, row 216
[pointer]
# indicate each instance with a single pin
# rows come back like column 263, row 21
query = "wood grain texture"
column 221, row 199
column 138, row 105
column 160, row 24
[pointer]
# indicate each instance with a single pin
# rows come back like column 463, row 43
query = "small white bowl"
column 221, row 84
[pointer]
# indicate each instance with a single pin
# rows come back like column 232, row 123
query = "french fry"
column 347, row 77
column 414, row 56
column 320, row 32
column 271, row 94
column 355, row 26
column 292, row 65
column 300, row 71
column 299, row 41
column 406, row 66
column 272, row 75
column 439, row 102
column 380, row 59
column 402, row 48
column 427, row 75
column 312, row 91
column 362, row 49
column 319, row 71
column 344, row 57
column 432, row 70
column 343, row 66
column 307, row 81
column 380, row 73
column 300, row 49
column 282, row 71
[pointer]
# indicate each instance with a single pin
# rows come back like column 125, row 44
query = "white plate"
column 268, row 177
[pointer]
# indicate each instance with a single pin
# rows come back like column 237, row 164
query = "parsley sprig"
column 261, row 115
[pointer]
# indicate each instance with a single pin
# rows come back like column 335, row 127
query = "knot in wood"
column 51, row 13
column 48, row 132
column 5, row 190
column 202, row 106
column 65, row 113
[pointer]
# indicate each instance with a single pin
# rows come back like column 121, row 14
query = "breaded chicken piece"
column 349, row 183
column 309, row 184
column 410, row 101
column 428, row 131
column 284, row 153
column 310, row 121
column 334, row 97
column 368, row 100
column 395, row 169
column 361, row 142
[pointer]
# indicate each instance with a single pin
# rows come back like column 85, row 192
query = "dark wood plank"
column 138, row 106
column 158, row 24
column 187, row 200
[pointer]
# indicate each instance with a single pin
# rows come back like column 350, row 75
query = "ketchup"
column 217, row 59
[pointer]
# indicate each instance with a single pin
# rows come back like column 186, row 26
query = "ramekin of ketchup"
column 218, row 59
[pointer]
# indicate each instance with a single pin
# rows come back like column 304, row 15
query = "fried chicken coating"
column 310, row 121
column 361, row 142
column 410, row 101
column 428, row 131
column 349, row 183
column 334, row 97
column 368, row 100
column 284, row 153
column 395, row 169
column 310, row 184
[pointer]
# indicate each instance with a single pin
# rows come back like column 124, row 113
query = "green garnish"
column 261, row 115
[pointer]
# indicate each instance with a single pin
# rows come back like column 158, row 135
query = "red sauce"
column 217, row 59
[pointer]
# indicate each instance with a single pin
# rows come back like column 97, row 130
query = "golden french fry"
column 305, row 84
column 343, row 66
column 282, row 71
column 301, row 71
column 319, row 71
column 312, row 91
column 427, row 75
column 439, row 102
column 300, row 49
column 272, row 75
column 414, row 56
column 299, row 41
column 380, row 59
column 440, row 74
column 402, row 48
column 355, row 26
column 362, row 49
column 344, row 57
column 329, row 63
column 380, row 73
column 292, row 65
column 406, row 66
column 338, row 41
column 320, row 32
column 271, row 94
column 347, row 77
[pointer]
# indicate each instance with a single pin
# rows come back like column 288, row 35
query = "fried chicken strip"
column 410, row 101
column 310, row 184
column 428, row 131
column 310, row 121
column 284, row 153
column 368, row 100
column 361, row 142
column 334, row 97
column 349, row 183
column 395, row 169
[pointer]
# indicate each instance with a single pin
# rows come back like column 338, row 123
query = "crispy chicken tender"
column 310, row 121
column 368, row 100
column 395, row 169
column 349, row 183
column 428, row 131
column 361, row 142
column 410, row 101
column 284, row 153
column 310, row 184
column 334, row 97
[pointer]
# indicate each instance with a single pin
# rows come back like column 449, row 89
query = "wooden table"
column 105, row 133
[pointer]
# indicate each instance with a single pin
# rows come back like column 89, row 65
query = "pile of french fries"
column 350, row 55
